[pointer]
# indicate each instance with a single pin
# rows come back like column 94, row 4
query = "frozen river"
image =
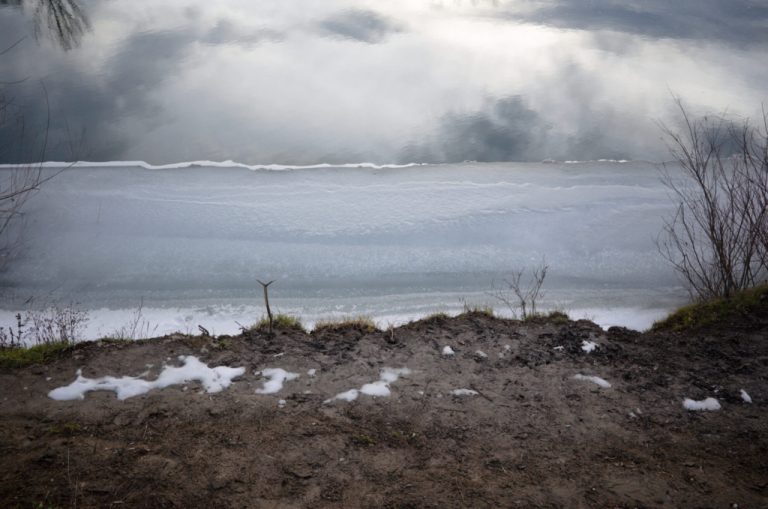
column 393, row 243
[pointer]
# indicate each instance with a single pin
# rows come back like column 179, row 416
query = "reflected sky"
column 303, row 82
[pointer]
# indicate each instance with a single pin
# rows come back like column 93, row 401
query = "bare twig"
column 265, row 286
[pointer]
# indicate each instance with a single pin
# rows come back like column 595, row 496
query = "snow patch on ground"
column 378, row 388
column 276, row 378
column 311, row 372
column 213, row 380
column 588, row 346
column 745, row 397
column 594, row 379
column 350, row 395
column 464, row 392
column 705, row 404
column 448, row 351
column 481, row 354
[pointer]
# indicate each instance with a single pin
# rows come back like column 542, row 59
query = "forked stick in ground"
column 266, row 302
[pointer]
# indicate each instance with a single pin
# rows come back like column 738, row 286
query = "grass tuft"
column 436, row 317
column 747, row 305
column 363, row 440
column 67, row 429
column 279, row 322
column 553, row 317
column 360, row 323
column 18, row 357
column 486, row 311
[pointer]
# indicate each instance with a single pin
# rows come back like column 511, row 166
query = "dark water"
column 301, row 82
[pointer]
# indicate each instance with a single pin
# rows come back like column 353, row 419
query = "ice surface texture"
column 387, row 240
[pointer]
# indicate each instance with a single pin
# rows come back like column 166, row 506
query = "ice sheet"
column 393, row 243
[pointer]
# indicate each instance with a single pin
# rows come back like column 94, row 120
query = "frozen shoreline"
column 224, row 319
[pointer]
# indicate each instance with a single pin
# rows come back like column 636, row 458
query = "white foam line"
column 213, row 380
column 203, row 164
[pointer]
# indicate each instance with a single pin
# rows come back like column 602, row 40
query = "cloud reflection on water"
column 341, row 81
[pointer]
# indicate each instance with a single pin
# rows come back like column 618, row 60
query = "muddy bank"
column 520, row 431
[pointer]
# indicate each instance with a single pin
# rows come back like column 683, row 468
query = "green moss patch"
column 39, row 354
column 744, row 307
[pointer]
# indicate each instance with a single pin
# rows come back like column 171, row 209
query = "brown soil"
column 532, row 437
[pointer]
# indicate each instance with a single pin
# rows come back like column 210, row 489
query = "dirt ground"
column 533, row 436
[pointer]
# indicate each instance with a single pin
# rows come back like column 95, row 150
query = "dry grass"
column 359, row 323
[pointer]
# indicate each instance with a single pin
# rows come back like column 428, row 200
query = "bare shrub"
column 523, row 294
column 19, row 183
column 137, row 327
column 717, row 239
column 11, row 337
column 56, row 324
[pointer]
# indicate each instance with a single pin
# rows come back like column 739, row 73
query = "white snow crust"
column 378, row 388
column 745, row 397
column 350, row 395
column 213, row 380
column 276, row 377
column 464, row 392
column 447, row 351
column 710, row 404
column 588, row 346
column 594, row 379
